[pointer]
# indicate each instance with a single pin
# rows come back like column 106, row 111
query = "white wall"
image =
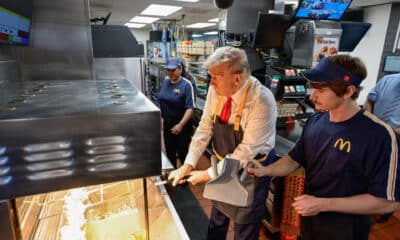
column 371, row 46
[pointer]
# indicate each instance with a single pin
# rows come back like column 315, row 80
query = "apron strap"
column 219, row 157
column 259, row 157
column 217, row 108
column 238, row 116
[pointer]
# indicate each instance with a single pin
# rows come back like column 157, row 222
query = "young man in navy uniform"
column 239, row 119
column 349, row 155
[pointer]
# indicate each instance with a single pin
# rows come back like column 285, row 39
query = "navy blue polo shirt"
column 347, row 158
column 175, row 98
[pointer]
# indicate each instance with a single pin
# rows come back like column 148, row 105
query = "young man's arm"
column 283, row 167
column 366, row 204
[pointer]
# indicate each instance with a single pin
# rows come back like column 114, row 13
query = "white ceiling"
column 124, row 10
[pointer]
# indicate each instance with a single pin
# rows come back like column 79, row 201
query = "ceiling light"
column 135, row 25
column 196, row 35
column 160, row 10
column 140, row 19
column 295, row 2
column 213, row 20
column 211, row 33
column 187, row 0
column 200, row 25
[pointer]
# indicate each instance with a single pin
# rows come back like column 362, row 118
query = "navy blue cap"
column 181, row 61
column 173, row 63
column 328, row 71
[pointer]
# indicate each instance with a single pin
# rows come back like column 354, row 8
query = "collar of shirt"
column 237, row 96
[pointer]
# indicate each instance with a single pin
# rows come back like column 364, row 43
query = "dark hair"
column 351, row 64
column 185, row 74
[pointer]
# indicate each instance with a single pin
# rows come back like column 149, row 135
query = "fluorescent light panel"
column 211, row 33
column 213, row 20
column 187, row 0
column 196, row 35
column 135, row 25
column 140, row 19
column 160, row 10
column 200, row 25
column 295, row 2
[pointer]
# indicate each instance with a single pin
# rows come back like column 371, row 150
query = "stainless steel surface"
column 161, row 182
column 120, row 68
column 303, row 43
column 305, row 39
column 63, row 134
column 180, row 229
column 60, row 42
column 166, row 164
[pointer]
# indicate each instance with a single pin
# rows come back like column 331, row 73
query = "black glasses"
column 171, row 70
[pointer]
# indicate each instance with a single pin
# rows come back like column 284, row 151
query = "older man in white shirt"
column 246, row 131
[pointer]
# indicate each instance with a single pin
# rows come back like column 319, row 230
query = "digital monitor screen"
column 271, row 29
column 392, row 64
column 322, row 9
column 352, row 33
column 15, row 21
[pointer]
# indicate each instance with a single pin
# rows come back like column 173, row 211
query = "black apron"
column 224, row 141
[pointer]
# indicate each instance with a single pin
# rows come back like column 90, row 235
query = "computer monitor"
column 271, row 29
column 352, row 33
column 15, row 21
column 322, row 9
column 392, row 64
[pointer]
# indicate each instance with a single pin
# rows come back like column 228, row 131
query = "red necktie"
column 226, row 111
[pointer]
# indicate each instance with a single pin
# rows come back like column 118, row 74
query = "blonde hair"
column 237, row 57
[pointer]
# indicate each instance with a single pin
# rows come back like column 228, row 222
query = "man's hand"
column 177, row 175
column 176, row 129
column 307, row 205
column 257, row 170
column 198, row 177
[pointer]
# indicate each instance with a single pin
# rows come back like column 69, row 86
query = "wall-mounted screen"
column 392, row 64
column 352, row 33
column 322, row 9
column 15, row 21
column 271, row 29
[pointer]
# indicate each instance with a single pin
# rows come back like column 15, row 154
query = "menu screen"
column 14, row 27
column 322, row 9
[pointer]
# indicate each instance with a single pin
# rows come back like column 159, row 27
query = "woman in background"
column 176, row 100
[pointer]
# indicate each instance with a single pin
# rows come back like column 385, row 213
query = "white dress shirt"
column 258, row 123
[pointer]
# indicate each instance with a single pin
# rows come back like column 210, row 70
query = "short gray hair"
column 234, row 55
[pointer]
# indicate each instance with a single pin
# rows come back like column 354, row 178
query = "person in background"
column 156, row 54
column 176, row 100
column 349, row 155
column 188, row 76
column 244, row 127
column 384, row 100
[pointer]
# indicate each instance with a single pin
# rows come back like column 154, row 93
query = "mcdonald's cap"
column 328, row 71
column 181, row 61
column 173, row 63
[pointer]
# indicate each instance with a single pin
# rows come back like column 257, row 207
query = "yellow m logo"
column 342, row 144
